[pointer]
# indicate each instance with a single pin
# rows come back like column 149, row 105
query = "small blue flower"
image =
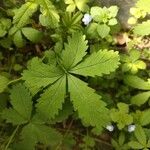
column 131, row 128
column 87, row 19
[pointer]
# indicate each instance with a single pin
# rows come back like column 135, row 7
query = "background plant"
column 72, row 78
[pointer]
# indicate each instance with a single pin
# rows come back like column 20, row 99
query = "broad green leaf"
column 49, row 16
column 40, row 75
column 135, row 145
column 34, row 133
column 74, row 51
column 18, row 39
column 140, row 135
column 21, row 101
column 141, row 98
column 98, row 63
column 91, row 109
column 136, row 82
column 3, row 83
column 52, row 99
column 32, row 34
column 145, row 119
column 142, row 29
column 23, row 14
column 103, row 30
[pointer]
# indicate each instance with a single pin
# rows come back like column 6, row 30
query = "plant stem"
column 11, row 138
column 13, row 81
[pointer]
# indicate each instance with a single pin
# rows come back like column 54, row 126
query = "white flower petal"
column 131, row 128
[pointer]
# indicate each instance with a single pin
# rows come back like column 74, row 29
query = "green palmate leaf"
column 22, row 106
column 98, row 63
column 34, row 133
column 51, row 101
column 49, row 16
column 103, row 30
column 135, row 145
column 142, row 29
column 40, row 75
column 3, row 83
column 23, row 14
column 145, row 119
column 140, row 135
column 141, row 98
column 18, row 39
column 32, row 34
column 74, row 51
column 136, row 82
column 91, row 109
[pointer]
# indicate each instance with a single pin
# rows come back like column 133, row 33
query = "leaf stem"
column 11, row 138
column 13, row 81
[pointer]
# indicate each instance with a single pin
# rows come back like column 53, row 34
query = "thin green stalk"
column 13, row 81
column 11, row 138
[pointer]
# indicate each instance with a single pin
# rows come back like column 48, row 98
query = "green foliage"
column 98, row 63
column 103, row 19
column 144, row 5
column 142, row 29
column 5, row 24
column 88, row 143
column 121, row 116
column 138, row 83
column 40, row 75
column 49, row 16
column 20, row 114
column 73, row 4
column 3, row 83
column 120, row 143
column 71, row 22
column 132, row 62
column 62, row 84
column 63, row 81
column 141, row 142
column 22, row 106
column 22, row 16
column 32, row 34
